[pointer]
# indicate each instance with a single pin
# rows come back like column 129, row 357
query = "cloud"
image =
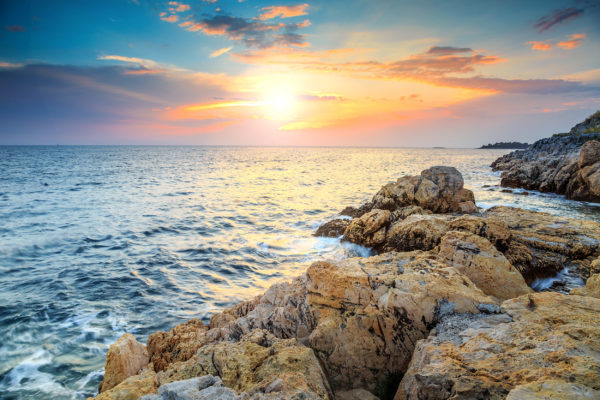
column 446, row 50
column 283, row 11
column 574, row 41
column 15, row 28
column 53, row 103
column 252, row 33
column 4, row 64
column 178, row 7
column 220, row 52
column 142, row 62
column 169, row 18
column 557, row 17
column 543, row 46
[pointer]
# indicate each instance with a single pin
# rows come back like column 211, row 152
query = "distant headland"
column 506, row 145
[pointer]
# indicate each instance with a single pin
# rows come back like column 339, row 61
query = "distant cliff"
column 506, row 145
column 566, row 163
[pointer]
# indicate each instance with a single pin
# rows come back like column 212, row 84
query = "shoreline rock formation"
column 567, row 163
column 434, row 315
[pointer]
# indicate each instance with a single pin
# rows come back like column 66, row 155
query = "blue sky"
column 385, row 73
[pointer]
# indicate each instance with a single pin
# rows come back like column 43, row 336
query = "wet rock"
column 477, row 258
column 544, row 336
column 126, row 357
column 333, row 228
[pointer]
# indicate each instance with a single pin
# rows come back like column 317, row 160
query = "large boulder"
column 126, row 357
column 477, row 258
column 132, row 388
column 541, row 337
column 439, row 189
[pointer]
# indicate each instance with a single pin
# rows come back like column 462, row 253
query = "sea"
column 96, row 241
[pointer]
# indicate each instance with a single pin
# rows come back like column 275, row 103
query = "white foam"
column 26, row 376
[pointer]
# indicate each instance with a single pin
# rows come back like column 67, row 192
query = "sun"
column 281, row 104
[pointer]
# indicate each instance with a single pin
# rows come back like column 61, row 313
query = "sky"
column 312, row 73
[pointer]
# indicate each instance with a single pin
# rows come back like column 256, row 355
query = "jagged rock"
column 133, row 387
column 542, row 244
column 477, row 258
column 126, row 357
column 333, row 228
column 257, row 363
column 567, row 164
column 543, row 336
column 371, row 311
column 179, row 344
column 592, row 287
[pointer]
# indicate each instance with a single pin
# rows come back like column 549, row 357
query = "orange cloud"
column 574, row 41
column 170, row 18
column 283, row 11
column 543, row 46
column 178, row 7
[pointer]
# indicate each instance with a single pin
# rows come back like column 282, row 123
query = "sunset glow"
column 203, row 72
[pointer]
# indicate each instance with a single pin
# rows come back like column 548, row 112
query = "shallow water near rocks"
column 98, row 241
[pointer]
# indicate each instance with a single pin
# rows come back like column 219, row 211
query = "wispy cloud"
column 537, row 45
column 574, row 41
column 283, row 11
column 220, row 52
column 142, row 62
column 557, row 17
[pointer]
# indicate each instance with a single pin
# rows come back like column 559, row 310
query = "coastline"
column 348, row 329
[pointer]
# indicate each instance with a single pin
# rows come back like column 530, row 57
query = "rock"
column 438, row 189
column 541, row 337
column 589, row 153
column 541, row 244
column 333, row 228
column 552, row 389
column 477, row 258
column 591, row 288
column 179, row 344
column 132, row 388
column 257, row 363
column 207, row 387
column 369, row 229
column 126, row 357
column 355, row 394
column 370, row 314
column 416, row 232
column 566, row 164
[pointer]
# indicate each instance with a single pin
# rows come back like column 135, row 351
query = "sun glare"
column 281, row 104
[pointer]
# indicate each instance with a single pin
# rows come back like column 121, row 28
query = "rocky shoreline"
column 444, row 311
column 566, row 163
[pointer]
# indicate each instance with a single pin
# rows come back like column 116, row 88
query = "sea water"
column 98, row 241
